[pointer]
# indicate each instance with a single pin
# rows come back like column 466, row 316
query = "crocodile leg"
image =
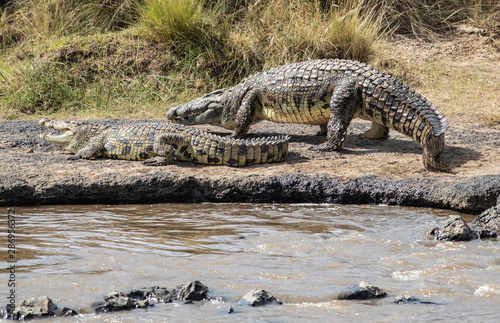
column 323, row 130
column 164, row 146
column 93, row 150
column 345, row 100
column 246, row 114
column 377, row 131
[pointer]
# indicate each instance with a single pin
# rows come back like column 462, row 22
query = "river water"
column 304, row 254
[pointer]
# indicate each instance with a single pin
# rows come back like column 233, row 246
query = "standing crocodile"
column 328, row 93
column 158, row 144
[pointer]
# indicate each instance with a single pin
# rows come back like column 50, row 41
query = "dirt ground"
column 471, row 150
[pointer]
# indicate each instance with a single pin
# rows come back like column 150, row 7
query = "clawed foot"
column 74, row 157
column 325, row 147
column 437, row 166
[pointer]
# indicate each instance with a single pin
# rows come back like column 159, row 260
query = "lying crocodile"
column 159, row 143
column 328, row 93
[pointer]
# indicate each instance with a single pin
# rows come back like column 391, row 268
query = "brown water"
column 303, row 254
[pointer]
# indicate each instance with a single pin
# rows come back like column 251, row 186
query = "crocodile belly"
column 316, row 114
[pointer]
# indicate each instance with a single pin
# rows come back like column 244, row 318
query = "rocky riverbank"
column 34, row 172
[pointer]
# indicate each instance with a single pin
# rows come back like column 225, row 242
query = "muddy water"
column 303, row 254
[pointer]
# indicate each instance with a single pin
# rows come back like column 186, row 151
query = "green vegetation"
column 180, row 24
column 135, row 58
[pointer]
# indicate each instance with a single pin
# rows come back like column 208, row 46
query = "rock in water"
column 259, row 297
column 364, row 290
column 193, row 291
column 152, row 294
column 490, row 219
column 407, row 299
column 116, row 301
column 454, row 229
column 37, row 307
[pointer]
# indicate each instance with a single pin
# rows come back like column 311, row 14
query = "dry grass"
column 425, row 18
column 468, row 92
column 459, row 75
column 40, row 20
column 179, row 23
column 282, row 31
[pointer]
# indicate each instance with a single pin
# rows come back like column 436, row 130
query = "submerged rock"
column 116, row 301
column 37, row 307
column 407, row 299
column 137, row 298
column 153, row 294
column 193, row 291
column 68, row 311
column 259, row 297
column 454, row 229
column 364, row 290
column 490, row 220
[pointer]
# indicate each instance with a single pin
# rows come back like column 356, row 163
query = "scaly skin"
column 159, row 143
column 328, row 93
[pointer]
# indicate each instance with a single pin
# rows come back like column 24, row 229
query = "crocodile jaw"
column 64, row 139
column 206, row 109
column 190, row 114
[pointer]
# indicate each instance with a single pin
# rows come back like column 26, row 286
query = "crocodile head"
column 69, row 131
column 74, row 135
column 206, row 109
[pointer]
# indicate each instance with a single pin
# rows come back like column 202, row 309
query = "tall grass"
column 97, row 77
column 44, row 88
column 179, row 23
column 426, row 17
column 283, row 31
column 287, row 31
column 40, row 19
column 199, row 20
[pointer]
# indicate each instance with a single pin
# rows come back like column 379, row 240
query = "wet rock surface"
column 407, row 299
column 259, row 297
column 119, row 301
column 489, row 220
column 34, row 172
column 43, row 307
column 454, row 229
column 137, row 298
column 363, row 291
column 193, row 291
column 36, row 308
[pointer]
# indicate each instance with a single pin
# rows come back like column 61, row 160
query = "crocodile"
column 159, row 143
column 328, row 93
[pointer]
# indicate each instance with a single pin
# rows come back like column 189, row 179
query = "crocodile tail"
column 433, row 146
column 217, row 150
column 240, row 152
column 393, row 104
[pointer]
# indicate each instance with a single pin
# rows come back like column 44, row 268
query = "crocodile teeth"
column 191, row 115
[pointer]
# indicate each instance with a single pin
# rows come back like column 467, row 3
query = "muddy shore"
column 34, row 172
